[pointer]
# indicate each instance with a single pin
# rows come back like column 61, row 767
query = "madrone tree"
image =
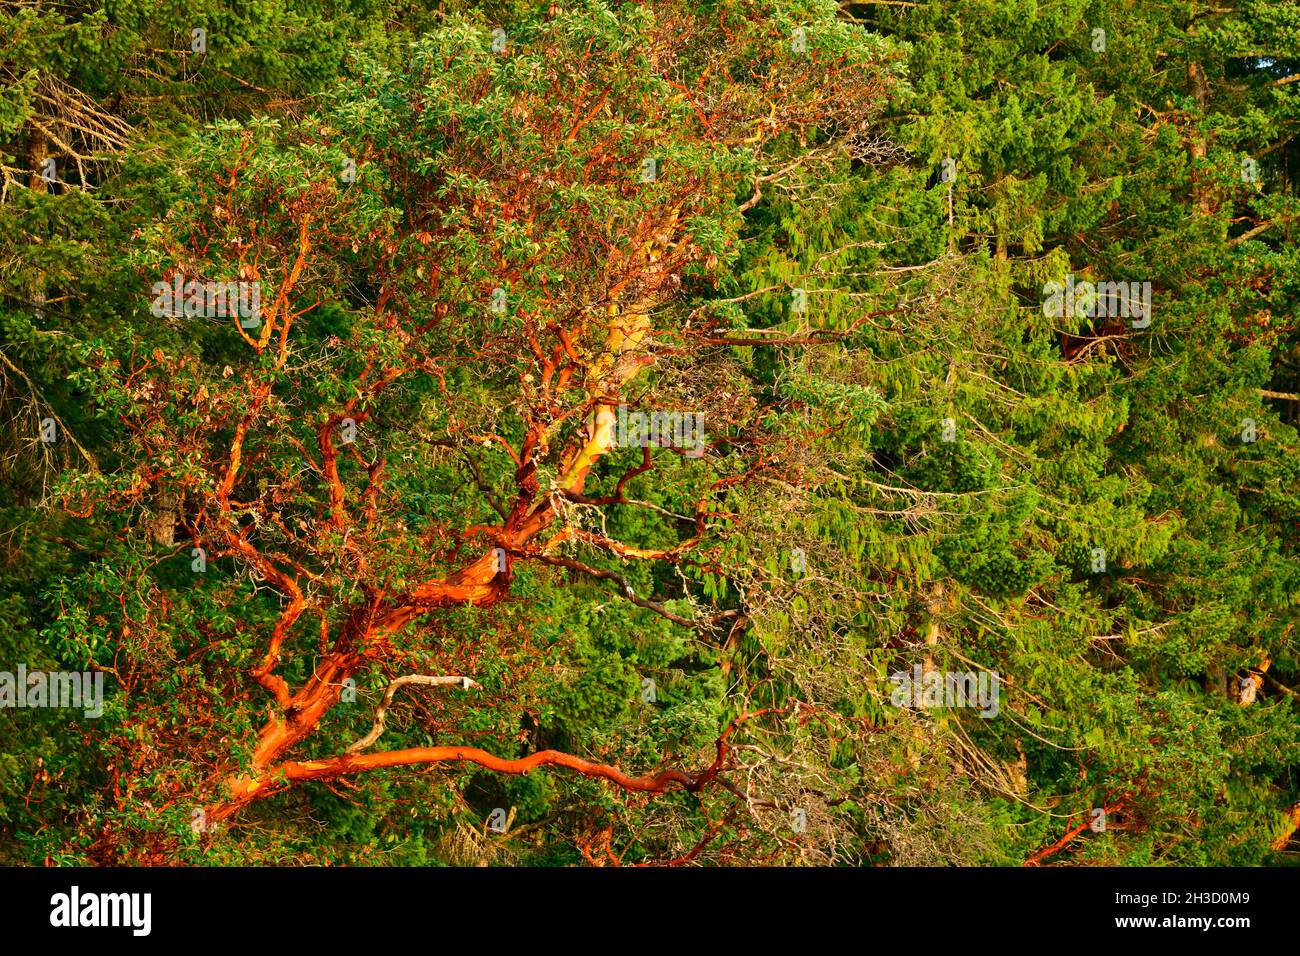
column 468, row 277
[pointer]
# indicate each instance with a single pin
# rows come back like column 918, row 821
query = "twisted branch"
column 382, row 710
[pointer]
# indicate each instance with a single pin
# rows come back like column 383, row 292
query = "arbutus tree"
column 912, row 464
column 470, row 275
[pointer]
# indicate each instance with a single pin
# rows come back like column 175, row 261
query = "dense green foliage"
column 839, row 256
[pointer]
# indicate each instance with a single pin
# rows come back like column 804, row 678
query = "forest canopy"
column 682, row 432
